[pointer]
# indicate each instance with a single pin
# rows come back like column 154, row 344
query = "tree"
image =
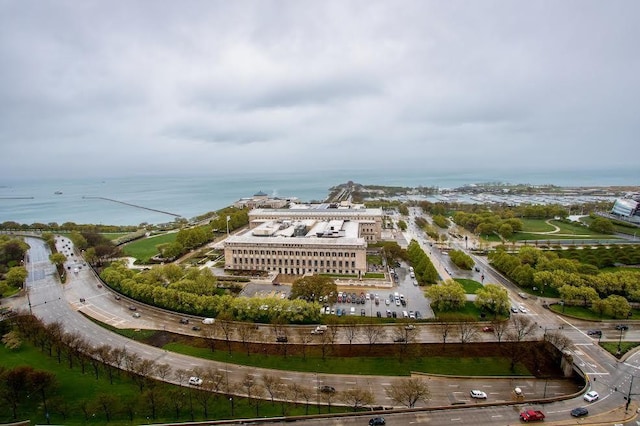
column 408, row 392
column 618, row 306
column 493, row 298
column 505, row 230
column 15, row 276
column 467, row 331
column 447, row 296
column 313, row 287
column 372, row 332
column 12, row 340
column 357, row 398
column 602, row 225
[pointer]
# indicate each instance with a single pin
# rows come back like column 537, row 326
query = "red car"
column 487, row 329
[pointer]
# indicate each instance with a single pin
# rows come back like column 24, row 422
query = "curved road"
column 51, row 302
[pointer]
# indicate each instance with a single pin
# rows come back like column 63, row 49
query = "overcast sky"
column 211, row 86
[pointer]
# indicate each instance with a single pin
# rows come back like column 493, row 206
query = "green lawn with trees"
column 145, row 248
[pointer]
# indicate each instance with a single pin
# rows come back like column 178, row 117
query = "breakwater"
column 132, row 205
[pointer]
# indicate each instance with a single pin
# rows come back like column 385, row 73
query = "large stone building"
column 318, row 239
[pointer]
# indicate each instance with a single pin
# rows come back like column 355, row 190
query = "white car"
column 591, row 396
column 478, row 394
column 195, row 381
column 522, row 309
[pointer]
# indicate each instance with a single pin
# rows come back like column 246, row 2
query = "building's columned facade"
column 305, row 241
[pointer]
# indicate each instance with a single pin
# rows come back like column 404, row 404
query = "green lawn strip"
column 522, row 236
column 612, row 347
column 585, row 313
column 536, row 225
column 573, row 228
column 145, row 248
column 379, row 366
column 376, row 275
column 113, row 235
column 470, row 286
column 76, row 388
column 470, row 312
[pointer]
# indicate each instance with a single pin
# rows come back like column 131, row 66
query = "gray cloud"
column 474, row 84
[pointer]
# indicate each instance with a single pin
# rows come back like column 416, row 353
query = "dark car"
column 282, row 339
column 579, row 412
column 132, row 308
column 184, row 320
column 622, row 327
column 379, row 314
column 394, row 314
column 594, row 332
column 195, row 328
column 377, row 421
column 399, row 339
column 327, row 389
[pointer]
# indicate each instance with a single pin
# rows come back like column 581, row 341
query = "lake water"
column 36, row 201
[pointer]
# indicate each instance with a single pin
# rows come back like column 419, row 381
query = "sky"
column 117, row 88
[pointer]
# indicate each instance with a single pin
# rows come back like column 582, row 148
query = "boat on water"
column 58, row 192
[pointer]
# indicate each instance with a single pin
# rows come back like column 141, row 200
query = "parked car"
column 591, row 396
column 418, row 315
column 478, row 394
column 377, row 421
column 514, row 309
column 195, row 381
column 579, row 412
column 327, row 389
column 362, row 312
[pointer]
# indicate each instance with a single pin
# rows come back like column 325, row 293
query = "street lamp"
column 231, row 401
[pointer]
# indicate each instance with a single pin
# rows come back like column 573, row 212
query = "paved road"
column 53, row 302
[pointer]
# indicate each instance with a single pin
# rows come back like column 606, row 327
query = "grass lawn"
column 145, row 248
column 536, row 225
column 470, row 286
column 76, row 389
column 612, row 347
column 381, row 366
column 469, row 312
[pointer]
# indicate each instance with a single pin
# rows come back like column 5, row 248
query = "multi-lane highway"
column 52, row 301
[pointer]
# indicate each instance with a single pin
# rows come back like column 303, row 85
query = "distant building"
column 627, row 209
column 316, row 239
column 262, row 200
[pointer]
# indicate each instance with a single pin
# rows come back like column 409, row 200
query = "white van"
column 208, row 321
column 353, row 310
column 405, row 314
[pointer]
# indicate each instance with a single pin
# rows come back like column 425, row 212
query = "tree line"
column 575, row 282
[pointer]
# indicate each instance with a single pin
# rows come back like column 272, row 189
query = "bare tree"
column 408, row 392
column 246, row 332
column 163, row 371
column 467, row 331
column 499, row 328
column 559, row 340
column 521, row 328
column 357, row 398
column 305, row 338
column 225, row 327
column 373, row 333
column 271, row 384
column 214, row 379
column 107, row 403
column 350, row 329
column 326, row 342
column 444, row 329
column 333, row 328
column 181, row 375
column 306, row 394
column 210, row 333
